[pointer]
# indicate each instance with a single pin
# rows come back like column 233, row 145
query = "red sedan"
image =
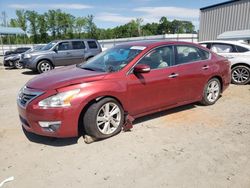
column 129, row 80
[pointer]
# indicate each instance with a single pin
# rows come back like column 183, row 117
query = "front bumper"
column 8, row 63
column 28, row 63
column 32, row 114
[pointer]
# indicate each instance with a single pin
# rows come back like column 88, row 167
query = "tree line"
column 56, row 24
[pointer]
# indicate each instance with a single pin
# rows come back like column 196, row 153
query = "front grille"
column 24, row 98
column 26, row 95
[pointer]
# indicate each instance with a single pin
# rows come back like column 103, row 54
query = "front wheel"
column 211, row 92
column 44, row 66
column 17, row 64
column 240, row 75
column 104, row 118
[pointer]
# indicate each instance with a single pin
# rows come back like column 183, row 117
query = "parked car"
column 11, row 58
column 102, row 93
column 61, row 53
column 14, row 60
column 17, row 51
column 239, row 55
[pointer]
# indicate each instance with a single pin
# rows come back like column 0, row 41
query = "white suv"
column 239, row 55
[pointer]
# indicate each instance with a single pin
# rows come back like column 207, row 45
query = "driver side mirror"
column 141, row 68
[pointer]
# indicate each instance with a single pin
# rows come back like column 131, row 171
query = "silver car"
column 60, row 53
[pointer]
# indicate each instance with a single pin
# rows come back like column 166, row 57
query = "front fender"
column 99, row 89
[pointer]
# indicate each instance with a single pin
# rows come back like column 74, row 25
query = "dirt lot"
column 190, row 146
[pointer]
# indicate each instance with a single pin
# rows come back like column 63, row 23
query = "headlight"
column 27, row 56
column 9, row 58
column 59, row 100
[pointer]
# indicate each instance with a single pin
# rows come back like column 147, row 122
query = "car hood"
column 63, row 77
column 11, row 56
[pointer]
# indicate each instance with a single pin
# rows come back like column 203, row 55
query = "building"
column 223, row 17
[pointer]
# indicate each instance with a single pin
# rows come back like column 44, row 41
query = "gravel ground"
column 190, row 146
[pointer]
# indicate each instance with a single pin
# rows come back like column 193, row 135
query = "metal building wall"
column 226, row 17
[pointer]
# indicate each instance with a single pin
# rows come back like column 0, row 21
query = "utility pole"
column 4, row 19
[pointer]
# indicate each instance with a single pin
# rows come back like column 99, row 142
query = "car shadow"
column 166, row 112
column 9, row 68
column 29, row 72
column 60, row 142
column 57, row 142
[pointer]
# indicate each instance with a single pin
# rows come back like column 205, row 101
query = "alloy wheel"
column 108, row 118
column 240, row 75
column 213, row 91
column 18, row 65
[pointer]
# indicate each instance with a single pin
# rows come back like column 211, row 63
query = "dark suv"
column 61, row 53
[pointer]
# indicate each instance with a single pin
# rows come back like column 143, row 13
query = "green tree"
column 13, row 23
column 176, row 27
column 164, row 26
column 42, row 25
column 188, row 27
column 90, row 27
column 32, row 17
column 150, row 29
column 80, row 23
column 51, row 22
column 21, row 19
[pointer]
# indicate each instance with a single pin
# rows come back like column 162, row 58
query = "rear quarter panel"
column 222, row 68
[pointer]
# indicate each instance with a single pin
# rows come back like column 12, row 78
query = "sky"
column 111, row 13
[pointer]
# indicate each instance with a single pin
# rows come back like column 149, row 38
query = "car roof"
column 153, row 43
column 69, row 40
column 228, row 42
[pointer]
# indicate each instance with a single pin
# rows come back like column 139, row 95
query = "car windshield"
column 48, row 46
column 113, row 59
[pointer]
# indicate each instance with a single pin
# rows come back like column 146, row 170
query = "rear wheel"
column 104, row 118
column 211, row 92
column 44, row 66
column 240, row 75
column 17, row 64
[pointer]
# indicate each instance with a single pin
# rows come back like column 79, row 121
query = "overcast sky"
column 110, row 13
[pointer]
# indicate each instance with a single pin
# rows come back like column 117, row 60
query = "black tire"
column 17, row 64
column 90, row 119
column 44, row 66
column 240, row 75
column 208, row 92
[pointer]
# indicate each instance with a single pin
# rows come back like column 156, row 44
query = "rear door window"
column 241, row 49
column 76, row 45
column 186, row 54
column 222, row 48
column 92, row 44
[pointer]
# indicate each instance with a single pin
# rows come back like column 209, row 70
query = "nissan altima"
column 128, row 80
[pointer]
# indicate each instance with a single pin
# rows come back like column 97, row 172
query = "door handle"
column 68, row 53
column 205, row 67
column 173, row 75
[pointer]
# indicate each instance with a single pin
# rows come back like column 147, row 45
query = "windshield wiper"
column 88, row 68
